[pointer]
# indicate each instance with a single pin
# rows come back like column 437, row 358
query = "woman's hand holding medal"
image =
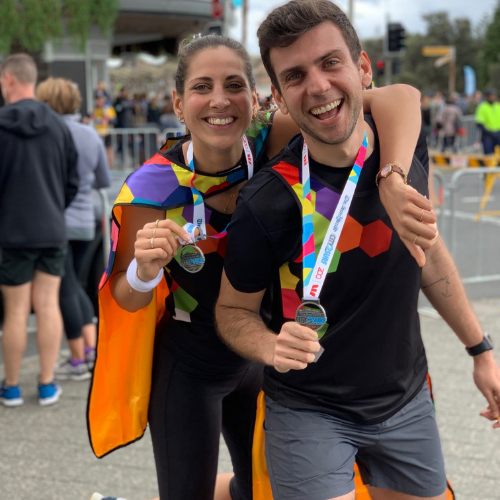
column 156, row 245
column 295, row 347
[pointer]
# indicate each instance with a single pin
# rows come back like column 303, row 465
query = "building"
column 155, row 26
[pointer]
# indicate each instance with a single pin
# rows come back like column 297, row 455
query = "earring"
column 183, row 122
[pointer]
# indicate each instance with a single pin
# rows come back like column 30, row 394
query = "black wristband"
column 485, row 345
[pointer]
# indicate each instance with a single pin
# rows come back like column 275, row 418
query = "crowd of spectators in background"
column 442, row 119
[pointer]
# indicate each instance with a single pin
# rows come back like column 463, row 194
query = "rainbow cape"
column 117, row 411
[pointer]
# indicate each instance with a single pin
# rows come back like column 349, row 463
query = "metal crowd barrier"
column 468, row 251
column 105, row 225
column 439, row 186
column 133, row 146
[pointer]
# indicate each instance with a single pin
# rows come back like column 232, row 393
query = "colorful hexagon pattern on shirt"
column 376, row 238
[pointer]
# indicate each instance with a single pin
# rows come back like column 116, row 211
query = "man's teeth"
column 220, row 121
column 324, row 109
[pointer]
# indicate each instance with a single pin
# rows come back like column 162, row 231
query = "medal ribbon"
column 314, row 270
column 198, row 205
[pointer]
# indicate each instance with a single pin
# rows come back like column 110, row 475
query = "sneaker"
column 10, row 395
column 98, row 496
column 72, row 370
column 90, row 357
column 49, row 394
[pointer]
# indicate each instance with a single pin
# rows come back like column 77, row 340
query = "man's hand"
column 295, row 347
column 487, row 380
column 411, row 215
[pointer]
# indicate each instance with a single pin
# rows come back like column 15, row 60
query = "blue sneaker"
column 98, row 496
column 10, row 395
column 49, row 394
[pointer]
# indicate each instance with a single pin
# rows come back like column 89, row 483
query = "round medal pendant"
column 311, row 314
column 192, row 258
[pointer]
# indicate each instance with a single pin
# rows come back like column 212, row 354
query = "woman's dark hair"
column 190, row 47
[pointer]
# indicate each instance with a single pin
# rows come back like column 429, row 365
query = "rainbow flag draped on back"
column 119, row 396
column 117, row 411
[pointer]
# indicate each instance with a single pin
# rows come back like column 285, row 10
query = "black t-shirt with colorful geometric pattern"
column 374, row 360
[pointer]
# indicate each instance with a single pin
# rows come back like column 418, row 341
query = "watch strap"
column 485, row 345
column 388, row 170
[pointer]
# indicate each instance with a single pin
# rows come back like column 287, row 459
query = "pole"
column 388, row 71
column 244, row 24
column 453, row 70
column 350, row 11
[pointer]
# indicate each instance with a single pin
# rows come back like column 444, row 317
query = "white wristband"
column 137, row 284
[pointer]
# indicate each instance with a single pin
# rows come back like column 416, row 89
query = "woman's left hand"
column 411, row 214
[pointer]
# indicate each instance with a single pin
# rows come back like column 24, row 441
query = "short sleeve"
column 421, row 151
column 249, row 255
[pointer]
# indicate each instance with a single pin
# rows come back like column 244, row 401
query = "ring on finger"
column 156, row 223
column 422, row 215
column 416, row 238
column 154, row 232
column 153, row 242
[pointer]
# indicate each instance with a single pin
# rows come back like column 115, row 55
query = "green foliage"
column 491, row 50
column 77, row 13
column 103, row 13
column 419, row 71
column 31, row 23
column 9, row 20
column 39, row 21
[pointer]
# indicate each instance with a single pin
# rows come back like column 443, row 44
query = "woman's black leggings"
column 189, row 408
column 76, row 307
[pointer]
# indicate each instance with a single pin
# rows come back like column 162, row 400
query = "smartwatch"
column 485, row 345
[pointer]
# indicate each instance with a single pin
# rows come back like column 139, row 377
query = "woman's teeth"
column 220, row 121
column 324, row 109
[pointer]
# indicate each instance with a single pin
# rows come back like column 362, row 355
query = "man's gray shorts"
column 310, row 455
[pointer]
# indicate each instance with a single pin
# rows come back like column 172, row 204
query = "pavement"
column 45, row 454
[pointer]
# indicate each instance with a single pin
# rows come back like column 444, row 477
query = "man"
column 488, row 121
column 124, row 109
column 104, row 118
column 38, row 180
column 365, row 397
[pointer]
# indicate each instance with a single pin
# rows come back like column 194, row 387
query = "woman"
column 76, row 307
column 199, row 387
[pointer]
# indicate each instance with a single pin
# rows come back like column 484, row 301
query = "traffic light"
column 396, row 66
column 395, row 39
column 380, row 67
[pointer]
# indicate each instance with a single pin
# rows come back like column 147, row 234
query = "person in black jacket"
column 38, row 180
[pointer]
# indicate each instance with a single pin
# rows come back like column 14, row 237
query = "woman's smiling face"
column 218, row 102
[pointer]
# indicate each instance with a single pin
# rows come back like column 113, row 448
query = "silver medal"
column 192, row 258
column 312, row 315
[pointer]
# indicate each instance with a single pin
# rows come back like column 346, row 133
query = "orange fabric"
column 119, row 396
column 261, row 483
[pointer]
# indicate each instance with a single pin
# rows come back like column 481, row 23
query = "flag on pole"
column 470, row 80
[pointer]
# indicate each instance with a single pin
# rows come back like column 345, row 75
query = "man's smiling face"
column 320, row 85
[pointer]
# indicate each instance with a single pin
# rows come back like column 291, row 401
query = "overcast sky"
column 370, row 15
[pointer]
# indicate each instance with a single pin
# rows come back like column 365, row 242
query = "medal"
column 314, row 270
column 192, row 258
column 198, row 204
column 311, row 314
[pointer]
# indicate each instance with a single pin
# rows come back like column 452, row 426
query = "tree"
column 31, row 23
column 491, row 50
column 418, row 70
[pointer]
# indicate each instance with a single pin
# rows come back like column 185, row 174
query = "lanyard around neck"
column 314, row 270
column 198, row 205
